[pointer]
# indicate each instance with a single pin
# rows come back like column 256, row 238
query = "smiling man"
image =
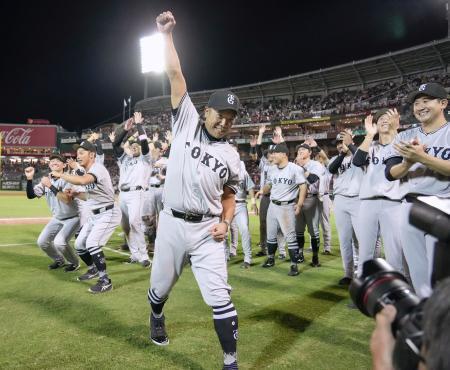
column 199, row 203
column 421, row 156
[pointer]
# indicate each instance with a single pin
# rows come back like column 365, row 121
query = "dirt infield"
column 24, row 221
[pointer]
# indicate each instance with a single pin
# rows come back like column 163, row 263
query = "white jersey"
column 317, row 169
column 264, row 167
column 374, row 182
column 245, row 184
column 285, row 182
column 325, row 182
column 59, row 209
column 347, row 181
column 100, row 193
column 198, row 167
column 134, row 171
column 423, row 180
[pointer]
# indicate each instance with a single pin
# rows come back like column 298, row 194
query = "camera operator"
column 421, row 157
column 436, row 335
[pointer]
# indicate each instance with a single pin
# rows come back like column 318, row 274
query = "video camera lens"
column 380, row 285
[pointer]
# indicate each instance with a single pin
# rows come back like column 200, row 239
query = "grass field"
column 48, row 320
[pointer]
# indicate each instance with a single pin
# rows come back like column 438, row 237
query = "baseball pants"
column 379, row 216
column 241, row 223
column 263, row 207
column 54, row 239
column 131, row 205
column 346, row 216
column 325, row 205
column 152, row 207
column 176, row 239
column 308, row 216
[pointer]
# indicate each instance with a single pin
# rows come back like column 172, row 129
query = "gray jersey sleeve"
column 100, row 192
column 184, row 115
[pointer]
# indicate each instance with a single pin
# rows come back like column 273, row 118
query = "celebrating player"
column 199, row 204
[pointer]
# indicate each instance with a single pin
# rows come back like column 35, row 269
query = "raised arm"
column 166, row 23
column 361, row 154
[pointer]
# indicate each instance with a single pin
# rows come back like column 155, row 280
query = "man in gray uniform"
column 346, row 184
column 134, row 165
column 380, row 198
column 309, row 214
column 104, row 219
column 199, row 204
column 287, row 182
column 421, row 156
column 54, row 239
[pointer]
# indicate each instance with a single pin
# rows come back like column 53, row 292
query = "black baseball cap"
column 223, row 100
column 432, row 89
column 379, row 113
column 86, row 145
column 280, row 148
column 157, row 145
column 58, row 156
column 305, row 146
column 337, row 140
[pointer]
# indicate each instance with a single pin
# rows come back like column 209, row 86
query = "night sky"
column 73, row 62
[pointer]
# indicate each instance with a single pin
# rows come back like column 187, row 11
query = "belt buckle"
column 100, row 210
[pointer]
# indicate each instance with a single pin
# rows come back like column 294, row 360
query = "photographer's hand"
column 382, row 341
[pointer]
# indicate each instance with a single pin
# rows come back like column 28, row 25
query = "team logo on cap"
column 422, row 87
column 230, row 99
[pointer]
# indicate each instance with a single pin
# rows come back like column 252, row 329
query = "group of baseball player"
column 187, row 201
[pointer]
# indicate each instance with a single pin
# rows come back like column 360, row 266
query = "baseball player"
column 199, row 204
column 134, row 165
column 104, row 219
column 346, row 185
column 286, row 182
column 421, row 156
column 309, row 214
column 380, row 199
column 240, row 220
column 54, row 239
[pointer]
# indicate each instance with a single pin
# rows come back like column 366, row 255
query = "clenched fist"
column 165, row 22
column 29, row 173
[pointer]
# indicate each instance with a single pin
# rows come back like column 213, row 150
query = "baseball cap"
column 432, row 89
column 280, row 148
column 86, row 145
column 224, row 99
column 304, row 146
column 337, row 140
column 58, row 156
column 157, row 145
column 379, row 113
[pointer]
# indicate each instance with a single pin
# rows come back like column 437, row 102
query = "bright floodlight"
column 152, row 53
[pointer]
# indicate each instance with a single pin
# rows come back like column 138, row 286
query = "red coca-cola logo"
column 17, row 136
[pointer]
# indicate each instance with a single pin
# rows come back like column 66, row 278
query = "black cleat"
column 300, row 257
column 71, row 267
column 245, row 265
column 345, row 281
column 270, row 262
column 315, row 264
column 146, row 263
column 293, row 271
column 56, row 265
column 158, row 333
column 103, row 285
column 89, row 274
column 327, row 253
column 261, row 253
column 130, row 261
column 281, row 256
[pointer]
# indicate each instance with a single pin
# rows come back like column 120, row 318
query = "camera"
column 380, row 285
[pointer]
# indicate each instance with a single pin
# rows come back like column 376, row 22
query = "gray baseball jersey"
column 59, row 209
column 264, row 167
column 100, row 193
column 348, row 179
column 245, row 184
column 374, row 183
column 285, row 182
column 423, row 180
column 198, row 167
column 134, row 171
column 325, row 182
column 317, row 169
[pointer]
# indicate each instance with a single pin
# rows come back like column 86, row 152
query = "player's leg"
column 367, row 230
column 137, row 244
column 45, row 242
column 272, row 226
column 390, row 214
column 263, row 208
column 281, row 241
column 242, row 223
column 210, row 271
column 286, row 220
column 103, row 226
column 234, row 235
column 61, row 242
column 311, row 213
column 126, row 204
column 325, row 210
column 345, row 230
column 300, row 227
column 167, row 266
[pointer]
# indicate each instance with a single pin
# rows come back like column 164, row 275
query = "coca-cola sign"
column 28, row 136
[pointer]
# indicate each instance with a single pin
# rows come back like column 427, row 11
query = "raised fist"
column 29, row 173
column 165, row 22
column 138, row 117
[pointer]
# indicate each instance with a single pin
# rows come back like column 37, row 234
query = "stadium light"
column 152, row 53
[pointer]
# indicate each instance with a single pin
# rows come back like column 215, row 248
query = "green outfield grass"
column 48, row 320
column 15, row 204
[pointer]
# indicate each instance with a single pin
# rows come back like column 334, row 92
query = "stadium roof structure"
column 425, row 58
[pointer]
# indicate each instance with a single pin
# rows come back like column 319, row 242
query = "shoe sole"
column 75, row 269
column 267, row 267
column 92, row 277
column 102, row 291
column 159, row 343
